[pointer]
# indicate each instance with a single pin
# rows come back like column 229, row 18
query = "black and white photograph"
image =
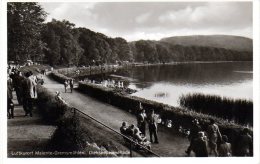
column 131, row 79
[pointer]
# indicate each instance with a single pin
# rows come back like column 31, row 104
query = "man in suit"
column 141, row 121
column 152, row 120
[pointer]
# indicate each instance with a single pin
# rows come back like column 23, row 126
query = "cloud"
column 153, row 20
column 142, row 18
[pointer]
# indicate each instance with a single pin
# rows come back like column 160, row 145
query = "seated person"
column 123, row 128
column 130, row 130
column 138, row 136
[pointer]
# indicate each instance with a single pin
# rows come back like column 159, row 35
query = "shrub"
column 59, row 77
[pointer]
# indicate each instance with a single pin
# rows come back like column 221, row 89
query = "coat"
column 31, row 87
column 199, row 146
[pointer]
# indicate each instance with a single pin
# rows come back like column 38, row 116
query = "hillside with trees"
column 237, row 43
column 61, row 43
column 160, row 51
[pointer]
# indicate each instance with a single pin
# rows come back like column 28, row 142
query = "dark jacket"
column 199, row 146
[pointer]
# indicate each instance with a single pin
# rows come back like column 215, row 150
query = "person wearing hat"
column 199, row 146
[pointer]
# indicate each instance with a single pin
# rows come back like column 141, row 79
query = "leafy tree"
column 24, row 22
column 62, row 43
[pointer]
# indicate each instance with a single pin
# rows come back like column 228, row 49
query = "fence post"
column 131, row 153
column 75, row 124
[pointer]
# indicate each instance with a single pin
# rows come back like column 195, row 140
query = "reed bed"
column 236, row 110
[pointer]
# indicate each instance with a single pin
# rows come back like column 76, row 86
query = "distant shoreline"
column 187, row 62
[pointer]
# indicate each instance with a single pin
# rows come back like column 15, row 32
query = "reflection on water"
column 166, row 83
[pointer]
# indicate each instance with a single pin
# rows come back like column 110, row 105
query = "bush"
column 34, row 68
column 59, row 77
column 239, row 110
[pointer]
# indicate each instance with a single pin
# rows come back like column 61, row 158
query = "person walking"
column 225, row 147
column 152, row 120
column 71, row 83
column 66, row 85
column 213, row 134
column 199, row 146
column 195, row 129
column 141, row 121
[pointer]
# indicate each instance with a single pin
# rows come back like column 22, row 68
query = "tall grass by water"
column 237, row 110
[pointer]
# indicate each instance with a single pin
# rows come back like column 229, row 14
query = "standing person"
column 195, row 129
column 24, row 92
column 10, row 87
column 245, row 144
column 225, row 147
column 17, row 81
column 66, row 85
column 213, row 134
column 199, row 146
column 10, row 104
column 152, row 120
column 141, row 121
column 31, row 93
column 71, row 83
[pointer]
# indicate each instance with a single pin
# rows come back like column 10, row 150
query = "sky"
column 155, row 20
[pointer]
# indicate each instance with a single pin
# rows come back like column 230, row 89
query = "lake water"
column 166, row 83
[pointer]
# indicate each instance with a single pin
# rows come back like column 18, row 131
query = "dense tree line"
column 61, row 43
column 156, row 51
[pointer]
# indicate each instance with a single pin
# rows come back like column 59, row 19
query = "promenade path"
column 172, row 144
column 27, row 135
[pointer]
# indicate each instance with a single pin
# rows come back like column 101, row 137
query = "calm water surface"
column 166, row 83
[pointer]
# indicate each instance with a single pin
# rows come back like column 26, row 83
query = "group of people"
column 25, row 88
column 134, row 133
column 68, row 83
column 205, row 141
column 139, row 132
column 152, row 120
column 108, row 83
